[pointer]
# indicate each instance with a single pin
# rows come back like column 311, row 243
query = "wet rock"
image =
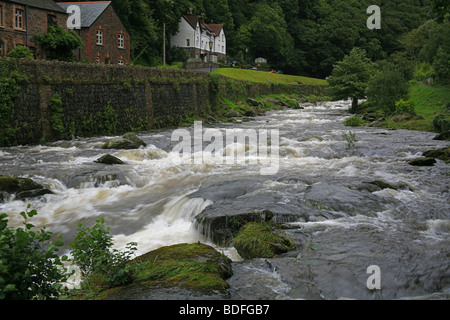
column 109, row 159
column 336, row 197
column 197, row 269
column 441, row 154
column 253, row 102
column 127, row 141
column 22, row 188
column 443, row 136
column 427, row 162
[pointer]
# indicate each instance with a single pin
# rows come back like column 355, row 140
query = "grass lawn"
column 264, row 77
column 429, row 102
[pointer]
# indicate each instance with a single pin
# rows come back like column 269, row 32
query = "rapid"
column 342, row 229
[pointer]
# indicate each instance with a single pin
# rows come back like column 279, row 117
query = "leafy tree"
column 266, row 34
column 387, row 87
column 30, row 267
column 60, row 41
column 350, row 77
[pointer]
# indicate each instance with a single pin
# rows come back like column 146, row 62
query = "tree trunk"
column 354, row 105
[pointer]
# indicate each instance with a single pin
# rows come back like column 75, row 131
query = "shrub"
column 402, row 107
column 20, row 52
column 29, row 265
column 93, row 255
column 354, row 121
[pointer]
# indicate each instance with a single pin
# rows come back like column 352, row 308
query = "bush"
column 423, row 71
column 402, row 107
column 354, row 121
column 93, row 255
column 20, row 52
column 29, row 265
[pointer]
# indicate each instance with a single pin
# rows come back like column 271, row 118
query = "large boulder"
column 109, row 159
column 127, row 141
column 194, row 270
column 423, row 162
column 22, row 188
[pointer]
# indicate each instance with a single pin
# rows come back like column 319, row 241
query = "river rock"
column 443, row 136
column 441, row 154
column 180, row 271
column 22, row 188
column 127, row 141
column 425, row 162
column 109, row 159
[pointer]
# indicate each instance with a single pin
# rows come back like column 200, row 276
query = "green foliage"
column 30, row 267
column 350, row 138
column 92, row 253
column 423, row 71
column 59, row 41
column 110, row 118
column 402, row 107
column 20, row 52
column 442, row 63
column 57, row 110
column 257, row 239
column 354, row 121
column 386, row 87
column 10, row 80
column 350, row 77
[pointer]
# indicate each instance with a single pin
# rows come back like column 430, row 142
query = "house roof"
column 194, row 19
column 41, row 4
column 216, row 28
column 90, row 11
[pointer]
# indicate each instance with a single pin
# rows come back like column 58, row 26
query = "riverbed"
column 341, row 222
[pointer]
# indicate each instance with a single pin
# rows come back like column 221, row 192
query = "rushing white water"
column 153, row 200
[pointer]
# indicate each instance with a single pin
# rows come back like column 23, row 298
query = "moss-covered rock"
column 426, row 162
column 192, row 267
column 258, row 240
column 127, row 141
column 22, row 188
column 441, row 154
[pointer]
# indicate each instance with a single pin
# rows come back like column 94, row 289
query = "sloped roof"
column 194, row 19
column 41, row 4
column 216, row 28
column 90, row 11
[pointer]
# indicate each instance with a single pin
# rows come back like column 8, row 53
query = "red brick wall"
column 111, row 26
column 37, row 24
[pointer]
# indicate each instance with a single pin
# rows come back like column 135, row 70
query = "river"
column 344, row 223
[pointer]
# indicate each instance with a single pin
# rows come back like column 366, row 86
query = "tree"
column 266, row 34
column 350, row 77
column 59, row 41
column 387, row 87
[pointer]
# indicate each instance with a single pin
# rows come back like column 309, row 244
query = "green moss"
column 257, row 239
column 197, row 266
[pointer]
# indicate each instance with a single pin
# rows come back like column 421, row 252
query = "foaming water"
column 153, row 200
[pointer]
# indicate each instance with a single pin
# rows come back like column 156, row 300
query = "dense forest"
column 305, row 37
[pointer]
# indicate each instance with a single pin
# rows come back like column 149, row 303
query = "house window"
column 18, row 19
column 51, row 21
column 99, row 37
column 121, row 62
column 188, row 42
column 98, row 60
column 107, row 60
column 121, row 41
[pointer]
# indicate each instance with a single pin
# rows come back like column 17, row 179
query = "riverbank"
column 430, row 104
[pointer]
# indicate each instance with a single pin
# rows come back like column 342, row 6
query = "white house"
column 204, row 42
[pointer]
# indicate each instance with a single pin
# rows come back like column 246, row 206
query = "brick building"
column 21, row 20
column 104, row 36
